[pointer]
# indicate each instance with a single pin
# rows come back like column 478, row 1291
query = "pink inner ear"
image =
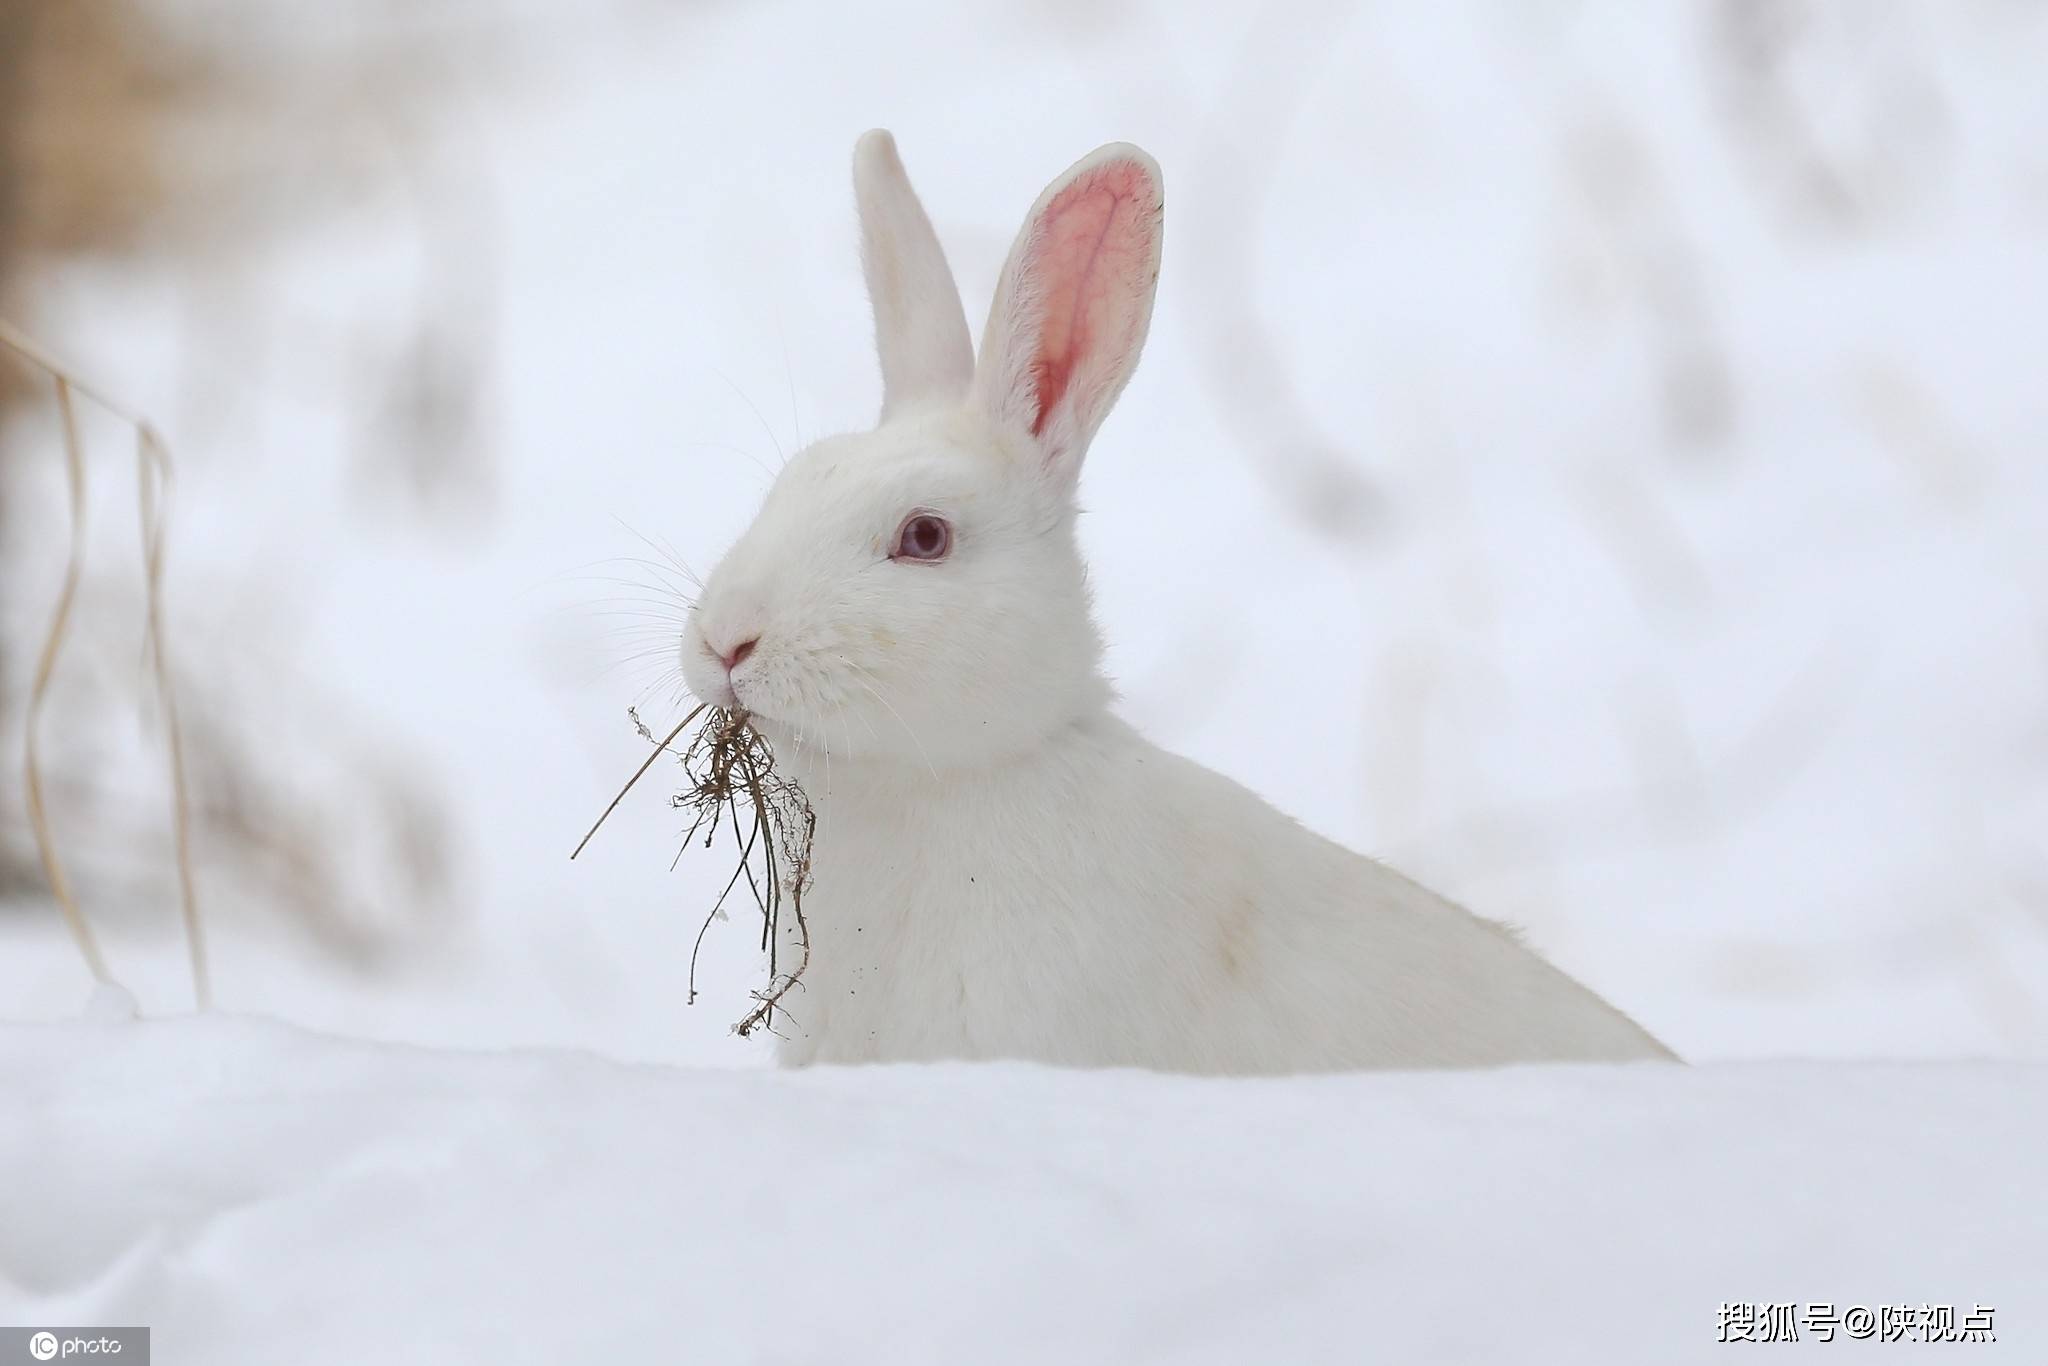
column 1094, row 241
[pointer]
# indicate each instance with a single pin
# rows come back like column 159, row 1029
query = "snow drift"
column 255, row 1193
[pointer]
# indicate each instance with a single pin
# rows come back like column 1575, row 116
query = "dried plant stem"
column 728, row 760
column 39, row 687
column 768, row 813
column 21, row 344
column 153, row 472
column 657, row 752
column 746, row 848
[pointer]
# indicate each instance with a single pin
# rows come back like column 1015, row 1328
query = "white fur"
column 920, row 328
column 1003, row 868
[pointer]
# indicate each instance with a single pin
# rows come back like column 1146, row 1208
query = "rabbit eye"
column 925, row 537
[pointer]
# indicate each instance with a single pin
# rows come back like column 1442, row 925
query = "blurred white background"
column 1589, row 455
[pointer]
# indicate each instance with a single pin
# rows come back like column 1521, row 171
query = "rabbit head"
column 915, row 592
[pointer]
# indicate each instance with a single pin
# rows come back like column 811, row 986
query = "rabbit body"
column 1100, row 901
column 1002, row 867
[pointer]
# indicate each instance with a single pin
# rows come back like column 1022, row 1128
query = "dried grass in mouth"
column 732, row 782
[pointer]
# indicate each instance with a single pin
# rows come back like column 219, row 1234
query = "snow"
column 258, row 1193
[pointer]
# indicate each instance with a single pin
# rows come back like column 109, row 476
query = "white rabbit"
column 1003, row 868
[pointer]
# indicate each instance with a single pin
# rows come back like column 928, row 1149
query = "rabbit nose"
column 737, row 655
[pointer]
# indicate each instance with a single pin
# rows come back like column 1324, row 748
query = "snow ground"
column 261, row 1194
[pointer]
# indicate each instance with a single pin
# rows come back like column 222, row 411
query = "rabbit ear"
column 920, row 327
column 1074, row 302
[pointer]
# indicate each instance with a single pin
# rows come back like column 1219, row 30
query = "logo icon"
column 43, row 1346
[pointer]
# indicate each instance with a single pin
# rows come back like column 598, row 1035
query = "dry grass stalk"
column 152, row 475
column 153, row 472
column 39, row 687
column 730, row 765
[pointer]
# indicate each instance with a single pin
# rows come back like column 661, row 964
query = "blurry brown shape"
column 85, row 92
column 291, row 852
column 1635, row 230
column 126, row 127
column 1831, row 107
column 1286, row 437
column 86, row 88
column 1908, row 421
column 131, row 130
